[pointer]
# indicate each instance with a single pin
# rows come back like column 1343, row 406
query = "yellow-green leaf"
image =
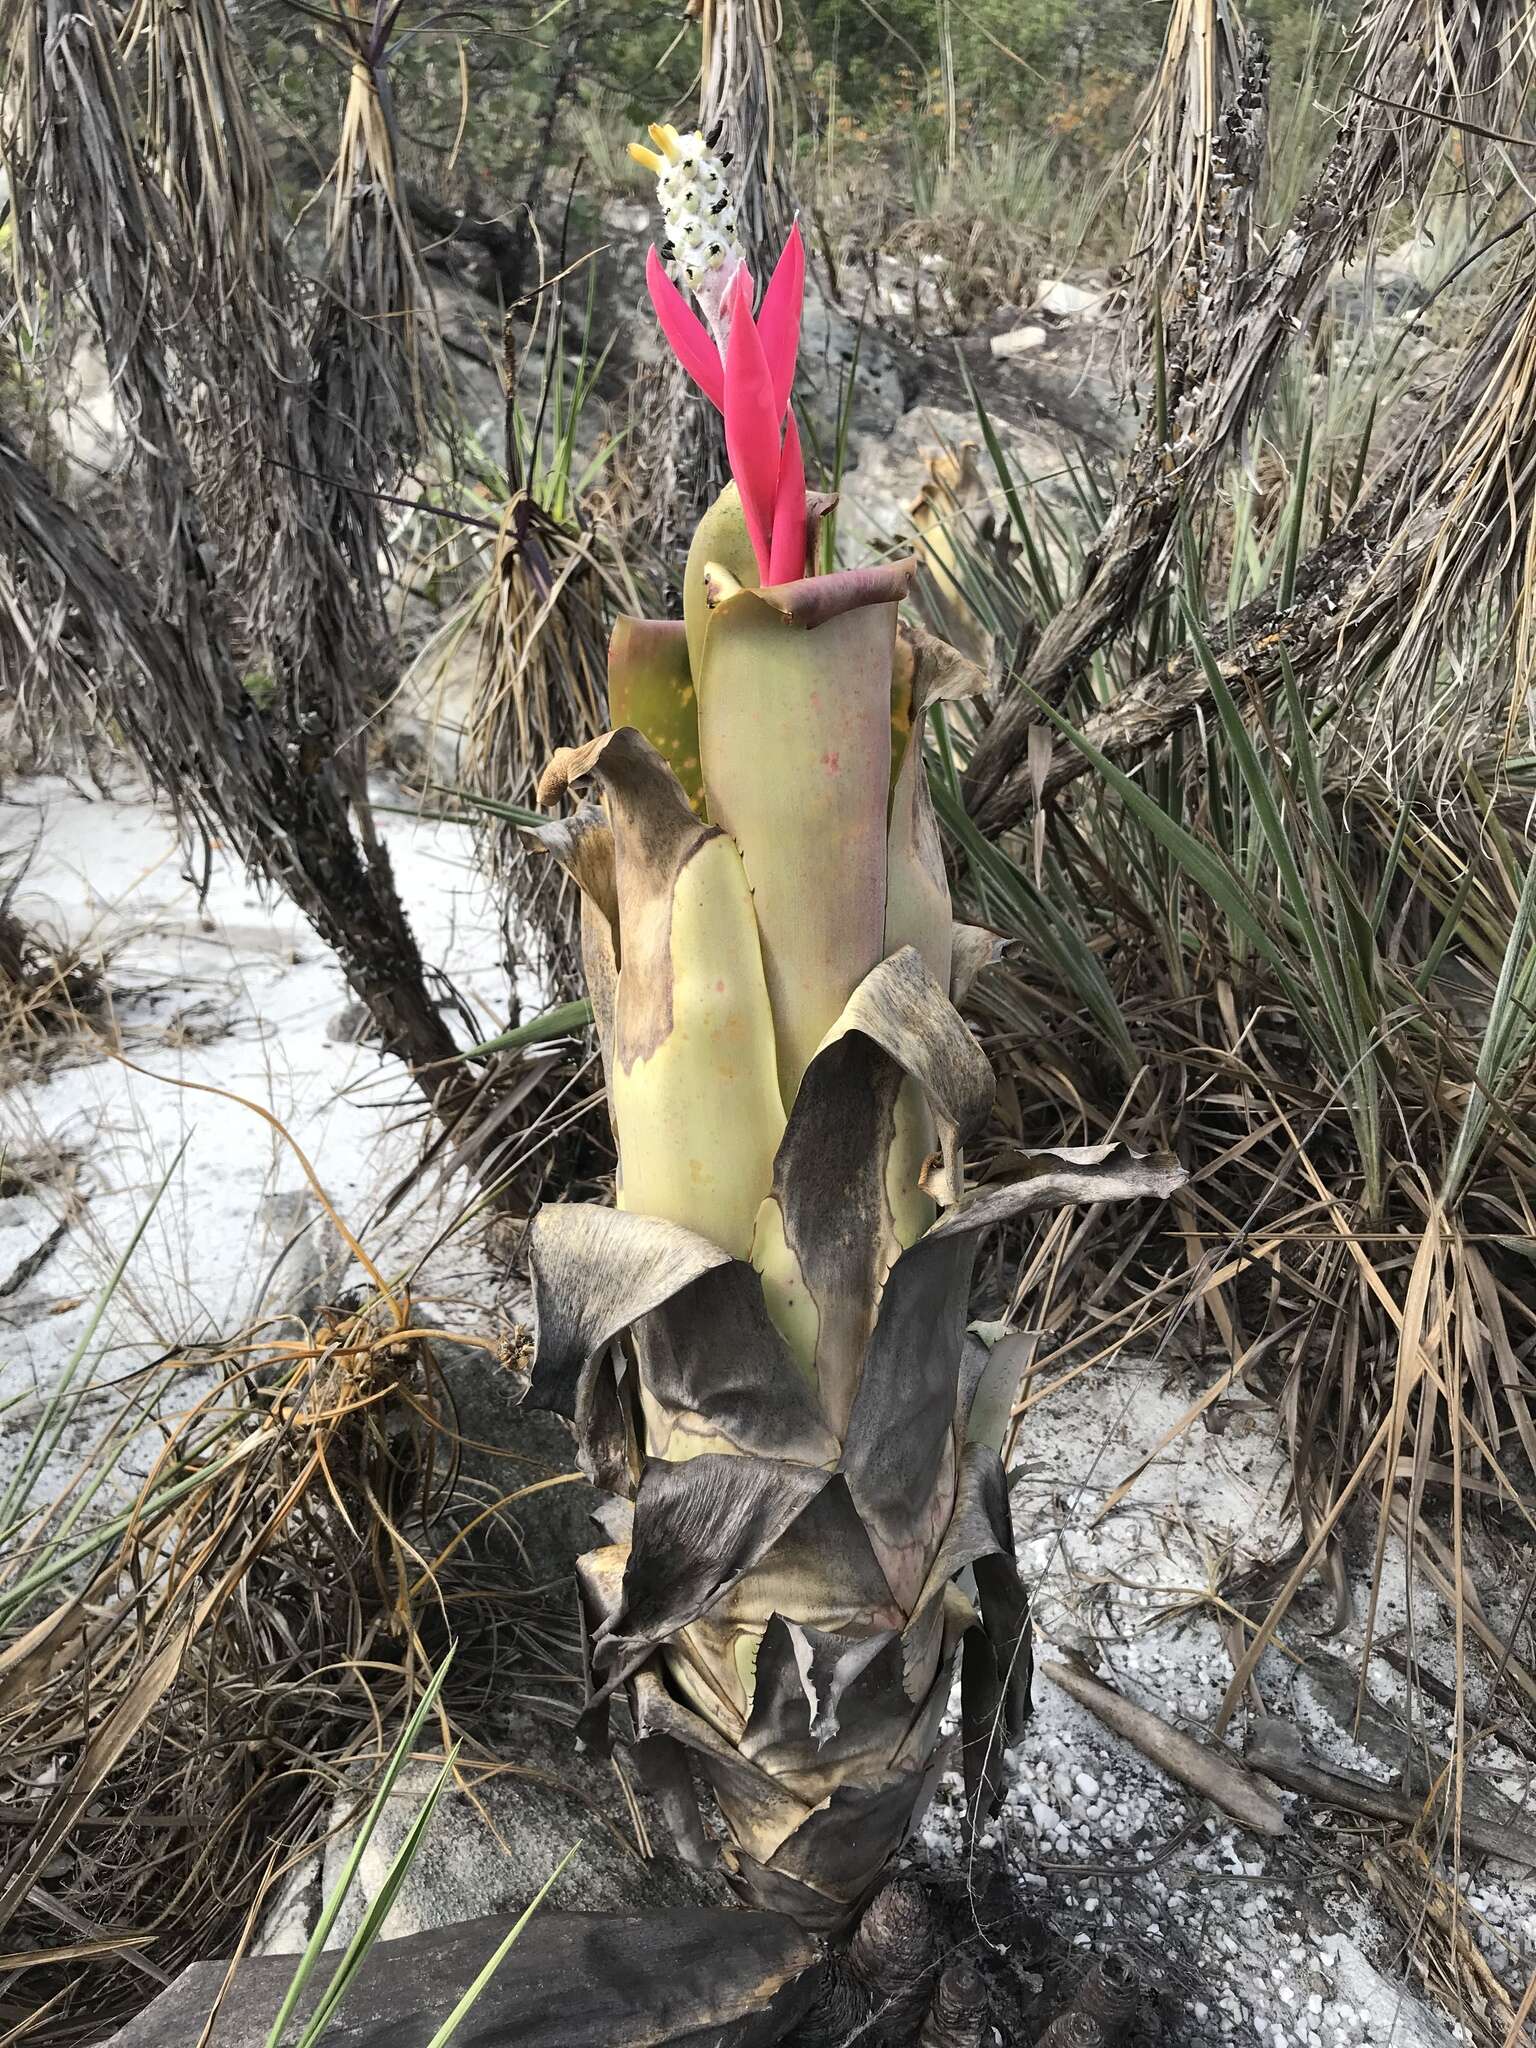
column 650, row 686
column 719, row 538
column 693, row 1089
column 795, row 737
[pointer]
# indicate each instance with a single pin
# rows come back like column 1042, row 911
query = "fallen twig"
column 26, row 1268
column 1276, row 1749
column 1215, row 1773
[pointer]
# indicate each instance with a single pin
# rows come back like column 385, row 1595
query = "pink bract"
column 751, row 387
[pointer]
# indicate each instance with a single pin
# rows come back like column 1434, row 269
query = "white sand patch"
column 226, row 991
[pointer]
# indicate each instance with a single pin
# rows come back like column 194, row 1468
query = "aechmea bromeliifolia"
column 764, row 1347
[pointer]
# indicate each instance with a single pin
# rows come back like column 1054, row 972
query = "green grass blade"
column 1450, row 925
column 561, row 1022
column 1295, row 515
column 60, row 1564
column 1391, row 863
column 1043, row 575
column 379, row 1909
column 1004, row 883
column 328, row 1912
column 1261, row 794
column 1357, row 475
column 513, row 814
column 1201, row 864
column 1507, row 1038
column 450, row 2026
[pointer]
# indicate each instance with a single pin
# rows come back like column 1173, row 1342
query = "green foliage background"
column 499, row 108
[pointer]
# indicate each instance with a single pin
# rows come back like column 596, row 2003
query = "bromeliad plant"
column 764, row 1346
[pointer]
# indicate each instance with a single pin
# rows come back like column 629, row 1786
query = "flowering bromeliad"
column 763, row 1347
column 744, row 366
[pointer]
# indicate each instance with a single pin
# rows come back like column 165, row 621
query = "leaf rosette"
column 764, row 1346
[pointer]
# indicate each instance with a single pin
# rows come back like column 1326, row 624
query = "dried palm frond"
column 1177, row 151
column 375, row 349
column 201, row 147
column 44, row 985
column 1436, row 559
column 78, row 632
column 309, row 622
column 90, row 222
column 1462, row 646
column 94, row 224
column 1237, row 323
column 83, row 642
column 1423, row 73
column 541, row 686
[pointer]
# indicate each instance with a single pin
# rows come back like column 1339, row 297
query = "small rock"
column 351, row 1025
column 1069, row 301
column 502, row 1448
column 493, row 1853
column 1018, row 341
column 829, row 339
column 888, row 466
column 298, row 1245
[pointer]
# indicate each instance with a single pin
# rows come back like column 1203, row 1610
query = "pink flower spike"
column 788, row 562
column 751, row 426
column 689, row 337
column 779, row 321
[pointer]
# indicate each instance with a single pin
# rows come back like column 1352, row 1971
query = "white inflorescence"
column 699, row 216
column 699, row 212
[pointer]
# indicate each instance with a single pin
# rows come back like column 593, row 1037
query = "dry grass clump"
column 543, row 621
column 1440, row 1946
column 46, row 989
column 543, row 584
column 195, row 1675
